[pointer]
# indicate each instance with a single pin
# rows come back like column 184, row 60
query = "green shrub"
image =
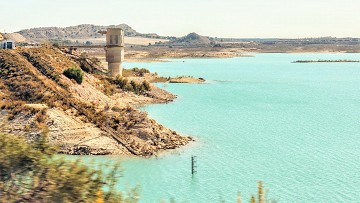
column 29, row 172
column 120, row 82
column 146, row 85
column 74, row 73
column 132, row 86
column 140, row 71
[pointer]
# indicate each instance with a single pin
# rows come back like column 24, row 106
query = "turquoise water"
column 294, row 126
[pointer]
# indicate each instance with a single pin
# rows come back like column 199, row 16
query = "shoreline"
column 163, row 54
column 134, row 135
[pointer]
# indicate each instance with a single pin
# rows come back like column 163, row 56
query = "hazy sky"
column 217, row 18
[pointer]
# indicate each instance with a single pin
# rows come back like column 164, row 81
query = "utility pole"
column 193, row 165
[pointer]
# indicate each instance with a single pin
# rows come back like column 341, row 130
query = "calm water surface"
column 294, row 126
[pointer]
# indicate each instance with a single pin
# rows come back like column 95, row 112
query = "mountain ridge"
column 91, row 31
column 77, row 31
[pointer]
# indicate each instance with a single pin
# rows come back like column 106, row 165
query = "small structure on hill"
column 6, row 43
column 114, row 50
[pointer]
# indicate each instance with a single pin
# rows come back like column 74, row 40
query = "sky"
column 215, row 18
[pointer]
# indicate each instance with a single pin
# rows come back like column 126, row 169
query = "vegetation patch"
column 138, row 72
column 29, row 172
column 132, row 86
column 75, row 74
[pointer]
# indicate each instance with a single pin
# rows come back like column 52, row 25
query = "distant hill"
column 192, row 39
column 14, row 36
column 77, row 32
column 90, row 32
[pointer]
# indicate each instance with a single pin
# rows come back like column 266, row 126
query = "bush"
column 120, row 82
column 146, row 85
column 74, row 73
column 132, row 86
column 29, row 172
column 138, row 72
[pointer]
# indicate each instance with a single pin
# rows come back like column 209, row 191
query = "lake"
column 296, row 127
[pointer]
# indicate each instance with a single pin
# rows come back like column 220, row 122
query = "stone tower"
column 114, row 50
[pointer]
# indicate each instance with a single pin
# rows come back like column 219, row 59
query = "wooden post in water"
column 193, row 165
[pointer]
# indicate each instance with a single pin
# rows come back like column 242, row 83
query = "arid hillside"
column 78, row 31
column 85, row 31
column 94, row 116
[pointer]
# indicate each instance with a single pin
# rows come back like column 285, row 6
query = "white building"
column 7, row 44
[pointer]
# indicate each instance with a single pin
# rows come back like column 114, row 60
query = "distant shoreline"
column 165, row 54
column 327, row 61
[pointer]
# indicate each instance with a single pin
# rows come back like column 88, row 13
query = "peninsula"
column 82, row 110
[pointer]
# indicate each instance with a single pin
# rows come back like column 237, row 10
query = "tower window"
column 116, row 39
column 111, row 39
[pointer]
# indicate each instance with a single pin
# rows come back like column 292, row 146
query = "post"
column 193, row 165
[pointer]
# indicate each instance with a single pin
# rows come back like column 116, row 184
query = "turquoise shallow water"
column 294, row 126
